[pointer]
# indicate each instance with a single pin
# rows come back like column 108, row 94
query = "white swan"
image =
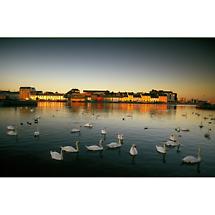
column 10, row 127
column 103, row 131
column 191, row 159
column 75, row 130
column 161, row 149
column 133, row 150
column 185, row 129
column 88, row 125
column 120, row 137
column 12, row 132
column 71, row 148
column 114, row 145
column 172, row 143
column 56, row 155
column 173, row 137
column 178, row 129
column 98, row 147
column 36, row 133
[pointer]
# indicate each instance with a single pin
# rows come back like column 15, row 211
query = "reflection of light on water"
column 50, row 104
column 121, row 106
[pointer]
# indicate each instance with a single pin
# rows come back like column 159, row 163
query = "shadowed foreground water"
column 26, row 155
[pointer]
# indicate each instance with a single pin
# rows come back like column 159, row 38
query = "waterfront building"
column 145, row 98
column 96, row 92
column 71, row 93
column 163, row 99
column 25, row 92
column 78, row 97
column 154, row 99
column 48, row 96
column 137, row 98
column 8, row 95
column 171, row 97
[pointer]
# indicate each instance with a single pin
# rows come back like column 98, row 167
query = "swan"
column 172, row 143
column 56, row 155
column 173, row 137
column 161, row 149
column 75, row 130
column 98, row 147
column 191, row 159
column 120, row 137
column 103, row 131
column 36, row 133
column 88, row 125
column 114, row 145
column 71, row 148
column 12, row 132
column 207, row 135
column 10, row 127
column 133, row 150
column 185, row 129
column 178, row 129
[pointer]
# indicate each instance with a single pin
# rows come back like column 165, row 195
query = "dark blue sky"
column 185, row 66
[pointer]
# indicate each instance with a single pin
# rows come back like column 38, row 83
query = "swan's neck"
column 100, row 144
column 61, row 153
column 77, row 147
column 198, row 155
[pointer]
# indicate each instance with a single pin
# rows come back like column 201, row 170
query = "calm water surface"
column 26, row 155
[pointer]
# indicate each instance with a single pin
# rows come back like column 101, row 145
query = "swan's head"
column 134, row 146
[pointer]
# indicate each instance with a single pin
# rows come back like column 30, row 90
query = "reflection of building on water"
column 127, row 108
column 43, row 104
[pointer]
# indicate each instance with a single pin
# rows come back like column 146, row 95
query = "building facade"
column 48, row 97
column 25, row 92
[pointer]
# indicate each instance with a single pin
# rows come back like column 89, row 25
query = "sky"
column 183, row 65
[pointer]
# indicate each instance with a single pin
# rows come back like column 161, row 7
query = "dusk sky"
column 185, row 66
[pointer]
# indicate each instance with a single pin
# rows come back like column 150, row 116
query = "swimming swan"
column 98, row 147
column 133, row 150
column 56, row 155
column 161, row 149
column 71, row 148
column 191, row 159
column 114, row 145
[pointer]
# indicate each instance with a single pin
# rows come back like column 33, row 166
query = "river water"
column 25, row 155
